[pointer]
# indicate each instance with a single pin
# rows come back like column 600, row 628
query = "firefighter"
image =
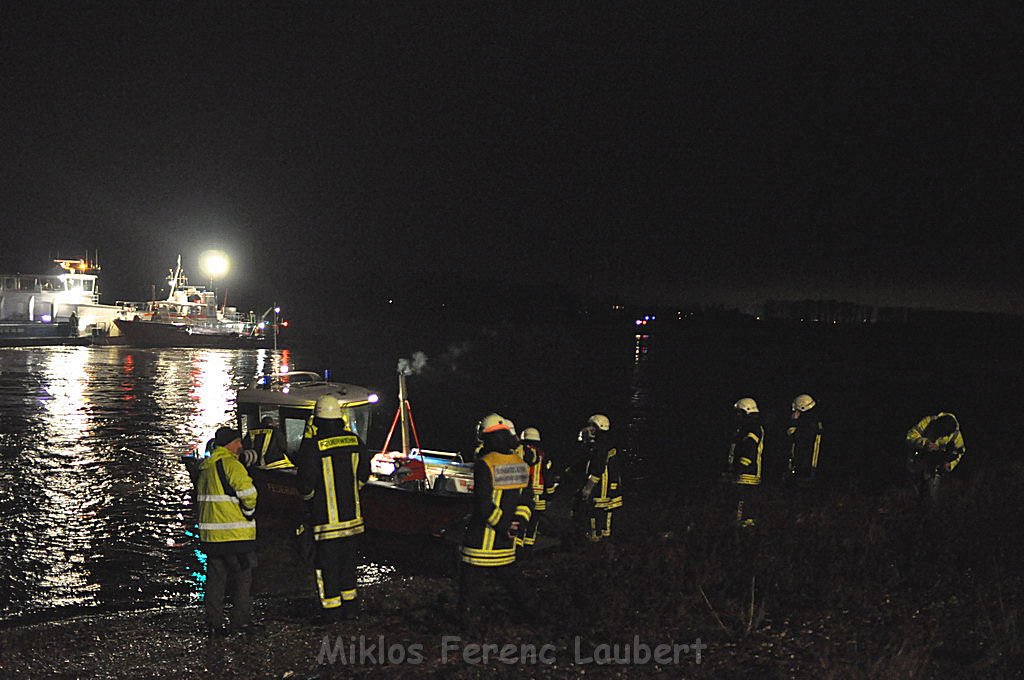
column 332, row 468
column 501, row 505
column 268, row 442
column 602, row 489
column 543, row 481
column 936, row 448
column 744, row 471
column 227, row 531
column 804, row 433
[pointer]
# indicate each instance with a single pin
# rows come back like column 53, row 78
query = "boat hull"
column 35, row 333
column 138, row 333
column 384, row 507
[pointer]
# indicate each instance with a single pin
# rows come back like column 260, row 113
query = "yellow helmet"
column 328, row 407
column 747, row 405
column 492, row 423
column 803, row 402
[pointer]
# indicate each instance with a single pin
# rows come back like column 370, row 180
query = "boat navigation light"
column 373, row 398
column 262, row 325
column 284, row 368
column 277, row 310
column 46, row 318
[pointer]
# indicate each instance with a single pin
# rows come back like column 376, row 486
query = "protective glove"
column 587, row 489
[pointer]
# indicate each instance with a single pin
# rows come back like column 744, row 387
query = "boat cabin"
column 290, row 398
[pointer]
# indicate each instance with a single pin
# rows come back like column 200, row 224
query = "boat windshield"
column 292, row 421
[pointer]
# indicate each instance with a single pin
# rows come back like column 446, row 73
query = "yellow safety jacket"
column 501, row 495
column 745, row 454
column 952, row 444
column 333, row 467
column 535, row 457
column 227, row 503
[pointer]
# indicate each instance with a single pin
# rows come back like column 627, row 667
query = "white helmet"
column 328, row 407
column 600, row 421
column 803, row 402
column 531, row 434
column 747, row 405
column 493, row 423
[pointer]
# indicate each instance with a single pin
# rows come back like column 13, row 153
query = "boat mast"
column 403, row 409
column 174, row 278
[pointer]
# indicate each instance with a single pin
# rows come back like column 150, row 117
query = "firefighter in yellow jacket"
column 543, row 481
column 332, row 468
column 936, row 448
column 602, row 489
column 226, row 501
column 745, row 450
column 501, row 504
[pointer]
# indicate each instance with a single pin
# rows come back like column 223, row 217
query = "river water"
column 95, row 510
column 94, row 503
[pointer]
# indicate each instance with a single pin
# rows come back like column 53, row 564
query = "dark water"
column 94, row 504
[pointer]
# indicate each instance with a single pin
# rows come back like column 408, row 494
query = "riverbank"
column 832, row 583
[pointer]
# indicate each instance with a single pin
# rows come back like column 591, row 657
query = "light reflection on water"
column 94, row 502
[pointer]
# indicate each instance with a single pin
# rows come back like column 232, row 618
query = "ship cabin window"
column 358, row 419
column 73, row 284
column 291, row 421
column 52, row 284
column 28, row 283
column 10, row 283
column 89, row 285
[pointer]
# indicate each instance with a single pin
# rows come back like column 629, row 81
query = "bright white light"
column 46, row 318
column 277, row 310
column 373, row 399
column 214, row 263
column 284, row 368
column 262, row 325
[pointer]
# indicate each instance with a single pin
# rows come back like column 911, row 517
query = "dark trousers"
column 335, row 563
column 600, row 523
column 471, row 585
column 744, row 502
column 219, row 569
column 530, row 532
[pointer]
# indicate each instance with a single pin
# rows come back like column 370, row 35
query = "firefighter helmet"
column 328, row 407
column 746, row 405
column 492, row 423
column 803, row 402
column 600, row 421
column 531, row 434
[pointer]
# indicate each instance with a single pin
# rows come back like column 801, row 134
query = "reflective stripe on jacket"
column 952, row 443
column 225, row 511
column 805, row 442
column 333, row 467
column 745, row 453
column 501, row 495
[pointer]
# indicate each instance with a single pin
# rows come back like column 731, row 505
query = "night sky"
column 672, row 153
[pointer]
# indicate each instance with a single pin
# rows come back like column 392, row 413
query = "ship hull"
column 138, row 333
